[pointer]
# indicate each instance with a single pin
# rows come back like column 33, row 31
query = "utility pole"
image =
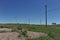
column 17, row 21
column 40, row 21
column 46, row 15
column 29, row 21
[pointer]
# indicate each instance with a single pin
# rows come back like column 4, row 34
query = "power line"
column 54, row 9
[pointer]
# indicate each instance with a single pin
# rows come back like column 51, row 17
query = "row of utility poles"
column 45, row 16
column 40, row 19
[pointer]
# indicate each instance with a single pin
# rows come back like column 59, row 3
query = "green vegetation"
column 53, row 31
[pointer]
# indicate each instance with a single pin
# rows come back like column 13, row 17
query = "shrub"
column 19, row 35
column 1, row 26
column 24, row 33
column 19, row 27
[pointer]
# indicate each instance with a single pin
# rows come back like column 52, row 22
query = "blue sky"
column 29, row 10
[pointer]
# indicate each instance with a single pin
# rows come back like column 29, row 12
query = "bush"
column 19, row 27
column 19, row 35
column 24, row 33
column 1, row 26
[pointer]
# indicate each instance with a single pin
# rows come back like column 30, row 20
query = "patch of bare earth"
column 10, row 36
column 36, row 34
column 14, row 35
column 5, row 29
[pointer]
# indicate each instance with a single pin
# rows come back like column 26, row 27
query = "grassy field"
column 53, row 31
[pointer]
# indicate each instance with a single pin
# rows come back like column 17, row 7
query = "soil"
column 14, row 35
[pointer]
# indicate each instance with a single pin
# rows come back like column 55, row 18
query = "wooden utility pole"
column 46, row 15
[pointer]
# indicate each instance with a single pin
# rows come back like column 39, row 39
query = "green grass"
column 52, row 31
